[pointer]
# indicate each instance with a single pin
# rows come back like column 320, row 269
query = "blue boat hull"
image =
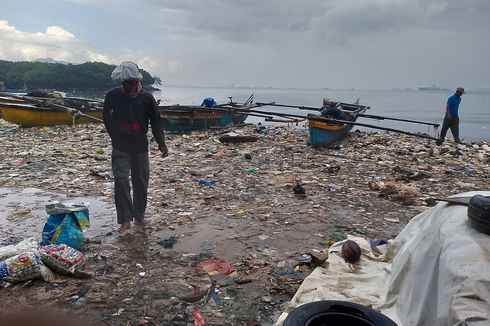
column 325, row 134
column 320, row 137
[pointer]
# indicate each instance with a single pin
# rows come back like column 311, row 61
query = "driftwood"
column 237, row 139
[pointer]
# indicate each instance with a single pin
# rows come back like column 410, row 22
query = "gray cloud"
column 257, row 21
column 363, row 43
column 309, row 43
column 246, row 20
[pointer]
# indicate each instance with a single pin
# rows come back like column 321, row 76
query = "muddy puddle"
column 155, row 266
column 23, row 214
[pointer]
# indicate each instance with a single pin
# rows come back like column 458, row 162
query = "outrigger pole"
column 369, row 116
column 325, row 120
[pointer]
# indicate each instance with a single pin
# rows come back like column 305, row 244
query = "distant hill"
column 60, row 76
column 50, row 60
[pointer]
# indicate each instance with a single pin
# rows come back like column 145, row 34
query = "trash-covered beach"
column 234, row 228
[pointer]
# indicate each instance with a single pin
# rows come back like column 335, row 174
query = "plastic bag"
column 20, row 268
column 29, row 244
column 125, row 71
column 61, row 258
column 209, row 102
column 66, row 224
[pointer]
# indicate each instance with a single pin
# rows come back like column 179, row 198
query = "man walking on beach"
column 128, row 110
column 451, row 120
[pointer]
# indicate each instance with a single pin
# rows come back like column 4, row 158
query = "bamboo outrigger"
column 335, row 129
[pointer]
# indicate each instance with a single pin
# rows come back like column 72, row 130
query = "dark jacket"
column 126, row 120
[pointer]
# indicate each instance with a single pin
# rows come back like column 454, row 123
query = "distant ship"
column 432, row 88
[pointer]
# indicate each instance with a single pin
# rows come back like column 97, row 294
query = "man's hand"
column 164, row 150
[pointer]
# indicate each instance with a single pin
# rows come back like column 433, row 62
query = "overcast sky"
column 282, row 43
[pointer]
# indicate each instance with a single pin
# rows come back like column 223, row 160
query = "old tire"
column 331, row 312
column 479, row 213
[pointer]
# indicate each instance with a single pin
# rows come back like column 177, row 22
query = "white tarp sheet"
column 436, row 272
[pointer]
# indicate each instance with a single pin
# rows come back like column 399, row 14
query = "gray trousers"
column 138, row 166
column 452, row 124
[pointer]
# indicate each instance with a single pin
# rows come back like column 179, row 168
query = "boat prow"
column 326, row 133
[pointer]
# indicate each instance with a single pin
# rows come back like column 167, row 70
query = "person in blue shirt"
column 451, row 119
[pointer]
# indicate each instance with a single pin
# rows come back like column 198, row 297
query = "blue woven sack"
column 66, row 224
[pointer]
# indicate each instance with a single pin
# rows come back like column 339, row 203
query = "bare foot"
column 140, row 224
column 124, row 227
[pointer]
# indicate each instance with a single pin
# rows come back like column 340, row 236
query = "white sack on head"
column 127, row 70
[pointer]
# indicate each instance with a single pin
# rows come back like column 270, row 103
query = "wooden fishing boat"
column 31, row 115
column 326, row 133
column 183, row 118
column 186, row 118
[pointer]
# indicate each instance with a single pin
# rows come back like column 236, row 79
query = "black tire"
column 479, row 213
column 481, row 202
column 479, row 226
column 331, row 312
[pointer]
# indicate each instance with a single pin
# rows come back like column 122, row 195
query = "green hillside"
column 42, row 75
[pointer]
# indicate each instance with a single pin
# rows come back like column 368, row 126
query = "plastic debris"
column 332, row 169
column 299, row 190
column 263, row 236
column 198, row 320
column 467, row 171
column 27, row 245
column 22, row 267
column 215, row 266
column 168, row 243
column 61, row 258
column 208, row 183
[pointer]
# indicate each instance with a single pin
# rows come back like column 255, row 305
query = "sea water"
column 427, row 106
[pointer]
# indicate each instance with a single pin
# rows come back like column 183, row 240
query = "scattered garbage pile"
column 234, row 227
